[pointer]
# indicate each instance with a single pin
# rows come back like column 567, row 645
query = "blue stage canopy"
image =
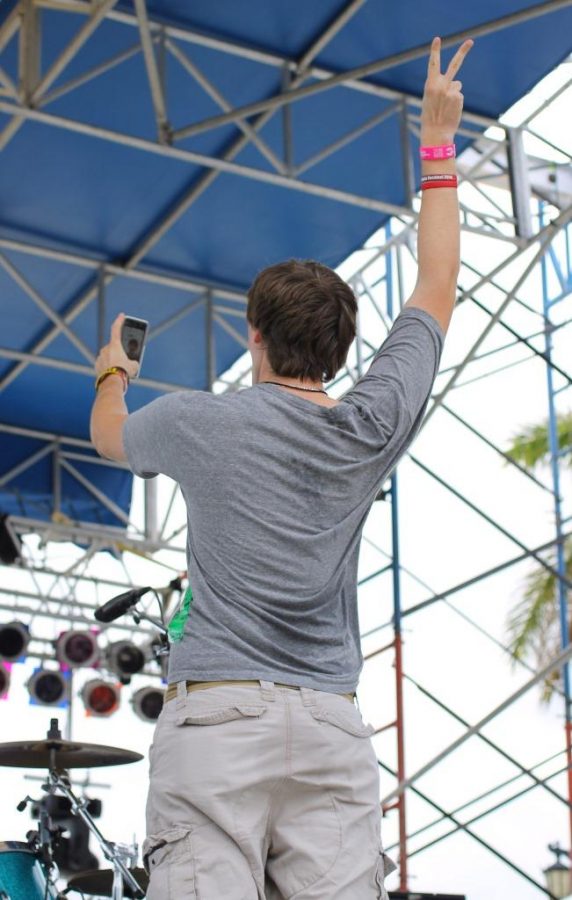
column 125, row 185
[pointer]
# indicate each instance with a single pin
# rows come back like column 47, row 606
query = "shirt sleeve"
column 150, row 437
column 396, row 388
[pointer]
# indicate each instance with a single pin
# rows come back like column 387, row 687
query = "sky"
column 452, row 648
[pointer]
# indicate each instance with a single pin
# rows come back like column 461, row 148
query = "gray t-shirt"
column 277, row 490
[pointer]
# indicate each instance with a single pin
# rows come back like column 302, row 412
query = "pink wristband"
column 445, row 151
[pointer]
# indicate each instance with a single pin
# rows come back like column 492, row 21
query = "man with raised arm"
column 263, row 777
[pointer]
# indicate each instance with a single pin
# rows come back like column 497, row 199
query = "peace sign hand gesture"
column 442, row 98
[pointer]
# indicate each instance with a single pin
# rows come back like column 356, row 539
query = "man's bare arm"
column 107, row 417
column 439, row 231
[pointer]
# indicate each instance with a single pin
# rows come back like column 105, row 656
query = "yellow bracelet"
column 113, row 370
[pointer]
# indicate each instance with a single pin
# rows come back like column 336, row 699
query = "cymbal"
column 63, row 755
column 100, row 882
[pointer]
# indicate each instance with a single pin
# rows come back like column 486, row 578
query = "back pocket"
column 216, row 715
column 348, row 720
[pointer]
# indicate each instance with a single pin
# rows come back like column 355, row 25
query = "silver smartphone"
column 133, row 336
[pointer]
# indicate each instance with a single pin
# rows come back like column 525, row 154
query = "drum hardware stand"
column 59, row 782
column 58, row 756
column 163, row 648
column 86, row 783
column 114, row 853
column 43, row 841
column 127, row 854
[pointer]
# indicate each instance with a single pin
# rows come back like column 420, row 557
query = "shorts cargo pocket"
column 168, row 860
column 349, row 720
column 197, row 714
column 383, row 867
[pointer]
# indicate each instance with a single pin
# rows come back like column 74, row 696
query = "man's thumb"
column 116, row 329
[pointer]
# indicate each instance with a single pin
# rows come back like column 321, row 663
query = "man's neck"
column 313, row 391
column 266, row 374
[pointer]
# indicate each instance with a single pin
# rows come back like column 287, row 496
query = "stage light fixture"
column 48, row 687
column 77, row 649
column 147, row 703
column 124, row 659
column 4, row 680
column 10, row 547
column 100, row 698
column 14, row 639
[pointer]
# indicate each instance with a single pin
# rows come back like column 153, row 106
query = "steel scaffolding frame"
column 52, row 594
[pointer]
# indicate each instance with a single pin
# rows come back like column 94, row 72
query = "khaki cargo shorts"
column 263, row 792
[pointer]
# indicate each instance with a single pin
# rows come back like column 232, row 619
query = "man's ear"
column 257, row 336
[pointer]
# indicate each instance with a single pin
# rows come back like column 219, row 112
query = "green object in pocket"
column 179, row 620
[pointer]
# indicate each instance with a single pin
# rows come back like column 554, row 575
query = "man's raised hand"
column 113, row 353
column 442, row 98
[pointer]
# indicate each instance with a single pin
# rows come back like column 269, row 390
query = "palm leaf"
column 533, row 625
column 530, row 447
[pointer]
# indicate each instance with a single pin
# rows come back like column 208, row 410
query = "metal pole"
column 57, row 479
column 101, row 307
column 69, row 717
column 210, row 342
column 406, row 159
column 359, row 336
column 151, row 510
column 519, row 182
column 153, row 75
column 396, row 579
column 287, row 125
column 561, row 581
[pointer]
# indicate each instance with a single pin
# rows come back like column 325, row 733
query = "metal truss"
column 379, row 283
column 499, row 187
column 32, row 99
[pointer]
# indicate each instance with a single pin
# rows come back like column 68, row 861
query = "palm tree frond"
column 528, row 619
column 531, row 447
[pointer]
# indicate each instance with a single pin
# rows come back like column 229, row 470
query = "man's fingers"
column 458, row 59
column 434, row 64
column 116, row 328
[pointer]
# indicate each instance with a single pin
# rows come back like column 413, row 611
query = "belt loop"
column 181, row 694
column 308, row 696
column 268, row 690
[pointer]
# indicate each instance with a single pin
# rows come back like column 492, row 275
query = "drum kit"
column 28, row 870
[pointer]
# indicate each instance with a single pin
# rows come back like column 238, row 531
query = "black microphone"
column 119, row 605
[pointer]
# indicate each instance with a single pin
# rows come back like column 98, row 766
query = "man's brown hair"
column 307, row 317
